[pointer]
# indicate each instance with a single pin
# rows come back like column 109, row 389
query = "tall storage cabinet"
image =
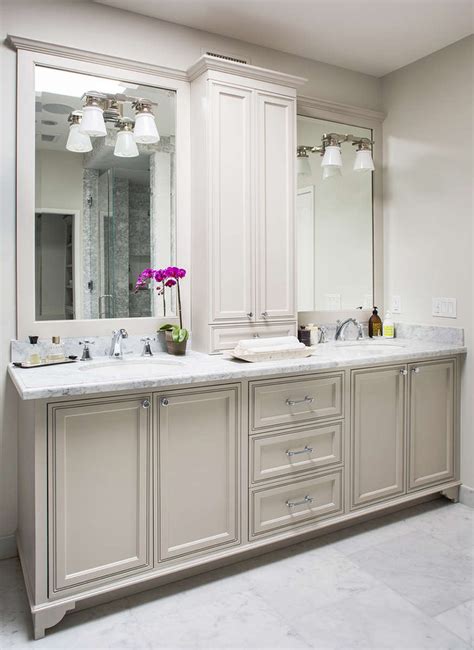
column 243, row 194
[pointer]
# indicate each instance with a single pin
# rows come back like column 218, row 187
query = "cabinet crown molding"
column 345, row 110
column 206, row 62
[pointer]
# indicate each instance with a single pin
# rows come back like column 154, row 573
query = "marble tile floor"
column 403, row 581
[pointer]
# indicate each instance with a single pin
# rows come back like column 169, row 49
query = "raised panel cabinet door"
column 232, row 212
column 276, row 198
column 432, row 423
column 99, row 490
column 198, row 457
column 377, row 434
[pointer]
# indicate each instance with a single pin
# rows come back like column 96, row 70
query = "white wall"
column 428, row 201
column 98, row 28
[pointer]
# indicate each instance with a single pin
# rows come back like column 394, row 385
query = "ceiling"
column 370, row 36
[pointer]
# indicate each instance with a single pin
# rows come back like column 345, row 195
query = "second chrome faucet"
column 116, row 348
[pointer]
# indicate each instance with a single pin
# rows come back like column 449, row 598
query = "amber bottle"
column 375, row 324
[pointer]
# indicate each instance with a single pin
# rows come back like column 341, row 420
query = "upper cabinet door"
column 276, row 152
column 232, row 222
column 99, row 491
column 432, row 423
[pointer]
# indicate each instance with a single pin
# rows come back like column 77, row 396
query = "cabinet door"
column 276, row 195
column 198, row 432
column 232, row 221
column 100, row 490
column 378, row 434
column 432, row 423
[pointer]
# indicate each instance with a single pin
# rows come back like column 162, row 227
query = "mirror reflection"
column 105, row 195
column 334, row 218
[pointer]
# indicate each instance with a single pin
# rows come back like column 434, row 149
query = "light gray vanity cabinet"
column 431, row 422
column 378, row 434
column 198, row 470
column 99, row 490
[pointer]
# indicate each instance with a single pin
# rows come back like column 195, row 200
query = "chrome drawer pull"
column 293, row 504
column 292, row 402
column 146, row 404
column 306, row 450
column 415, row 370
column 164, row 401
column 403, row 371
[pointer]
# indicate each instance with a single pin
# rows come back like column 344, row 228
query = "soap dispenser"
column 33, row 356
column 375, row 324
column 55, row 351
column 388, row 326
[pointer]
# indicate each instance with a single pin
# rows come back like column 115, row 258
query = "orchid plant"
column 166, row 278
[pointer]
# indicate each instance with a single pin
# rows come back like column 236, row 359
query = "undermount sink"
column 370, row 346
column 121, row 368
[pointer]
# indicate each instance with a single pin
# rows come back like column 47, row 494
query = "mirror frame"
column 369, row 119
column 29, row 54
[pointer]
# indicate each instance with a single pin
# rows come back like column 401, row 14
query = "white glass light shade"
column 332, row 157
column 331, row 171
column 92, row 122
column 303, row 168
column 145, row 130
column 77, row 141
column 125, row 147
column 363, row 161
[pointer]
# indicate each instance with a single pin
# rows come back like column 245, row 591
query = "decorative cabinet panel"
column 198, row 470
column 276, row 196
column 226, row 337
column 378, row 434
column 99, row 490
column 232, row 225
column 432, row 423
column 243, row 194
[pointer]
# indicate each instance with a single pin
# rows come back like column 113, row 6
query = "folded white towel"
column 270, row 343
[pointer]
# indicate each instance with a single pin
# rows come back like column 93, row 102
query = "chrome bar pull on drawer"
column 307, row 399
column 306, row 450
column 306, row 499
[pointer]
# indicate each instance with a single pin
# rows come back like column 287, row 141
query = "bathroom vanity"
column 139, row 472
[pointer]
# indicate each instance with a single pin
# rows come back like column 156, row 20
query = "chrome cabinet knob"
column 403, row 371
column 415, row 370
column 265, row 314
column 146, row 403
column 250, row 314
column 164, row 401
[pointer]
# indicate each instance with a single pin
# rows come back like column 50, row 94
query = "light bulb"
column 363, row 161
column 303, row 168
column 126, row 147
column 331, row 172
column 77, row 141
column 332, row 156
column 145, row 130
column 92, row 123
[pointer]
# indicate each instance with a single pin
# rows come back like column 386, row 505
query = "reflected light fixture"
column 330, row 150
column 77, row 142
column 92, row 123
column 125, row 147
column 145, row 126
column 303, row 168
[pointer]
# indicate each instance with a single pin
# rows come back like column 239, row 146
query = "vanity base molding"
column 51, row 613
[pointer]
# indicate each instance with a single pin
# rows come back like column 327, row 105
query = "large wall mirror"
column 334, row 215
column 103, row 191
column 104, row 205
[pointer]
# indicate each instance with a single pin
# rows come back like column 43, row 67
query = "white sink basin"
column 369, row 346
column 131, row 368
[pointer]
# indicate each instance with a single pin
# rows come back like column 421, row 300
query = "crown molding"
column 31, row 45
column 205, row 63
column 345, row 110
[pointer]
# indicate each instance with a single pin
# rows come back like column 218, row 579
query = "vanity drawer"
column 226, row 337
column 286, row 454
column 296, row 502
column 284, row 403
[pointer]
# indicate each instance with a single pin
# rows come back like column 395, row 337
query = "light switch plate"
column 396, row 305
column 444, row 307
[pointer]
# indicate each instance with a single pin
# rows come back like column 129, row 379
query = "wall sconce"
column 330, row 150
column 77, row 142
column 99, row 109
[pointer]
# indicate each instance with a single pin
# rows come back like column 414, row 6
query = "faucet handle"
column 323, row 334
column 147, row 347
column 86, row 354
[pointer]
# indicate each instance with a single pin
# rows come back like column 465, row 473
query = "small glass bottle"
column 375, row 324
column 33, row 357
column 55, row 351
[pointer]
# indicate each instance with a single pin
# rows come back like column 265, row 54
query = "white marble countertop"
column 134, row 373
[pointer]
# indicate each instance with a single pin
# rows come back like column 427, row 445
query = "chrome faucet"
column 341, row 328
column 147, row 347
column 117, row 340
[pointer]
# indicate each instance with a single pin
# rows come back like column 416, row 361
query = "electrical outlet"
column 396, row 305
column 444, row 307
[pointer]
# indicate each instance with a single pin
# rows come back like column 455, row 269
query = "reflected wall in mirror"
column 334, row 226
column 104, row 214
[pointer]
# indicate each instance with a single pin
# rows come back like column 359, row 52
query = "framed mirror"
column 103, row 191
column 338, row 217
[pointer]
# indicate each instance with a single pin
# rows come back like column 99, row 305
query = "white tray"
column 276, row 355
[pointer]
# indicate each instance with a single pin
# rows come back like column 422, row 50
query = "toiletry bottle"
column 55, row 351
column 375, row 324
column 314, row 333
column 304, row 335
column 33, row 357
column 388, row 326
